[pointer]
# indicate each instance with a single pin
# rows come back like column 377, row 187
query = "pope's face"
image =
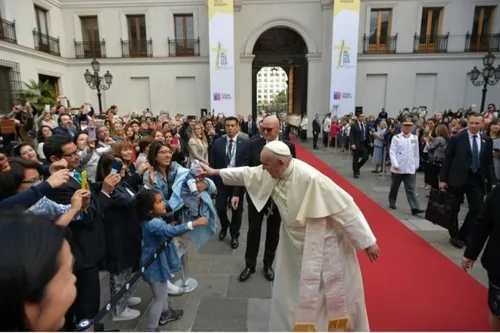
column 271, row 164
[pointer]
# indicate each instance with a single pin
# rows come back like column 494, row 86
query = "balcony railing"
column 482, row 43
column 379, row 44
column 430, row 43
column 184, row 47
column 8, row 31
column 137, row 48
column 46, row 43
column 90, row 49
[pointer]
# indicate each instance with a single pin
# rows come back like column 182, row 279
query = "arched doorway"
column 284, row 48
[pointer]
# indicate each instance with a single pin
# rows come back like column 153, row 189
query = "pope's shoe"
column 245, row 275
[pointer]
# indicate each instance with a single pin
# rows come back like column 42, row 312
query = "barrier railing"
column 87, row 325
column 186, row 283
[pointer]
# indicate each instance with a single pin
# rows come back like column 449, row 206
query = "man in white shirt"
column 326, row 129
column 405, row 160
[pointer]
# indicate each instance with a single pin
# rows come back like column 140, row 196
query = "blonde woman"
column 198, row 145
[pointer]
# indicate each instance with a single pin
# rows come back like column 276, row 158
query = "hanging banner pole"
column 222, row 57
column 344, row 56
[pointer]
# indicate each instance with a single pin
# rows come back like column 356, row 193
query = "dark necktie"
column 229, row 155
column 362, row 131
column 475, row 154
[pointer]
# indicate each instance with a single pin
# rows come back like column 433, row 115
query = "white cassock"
column 318, row 284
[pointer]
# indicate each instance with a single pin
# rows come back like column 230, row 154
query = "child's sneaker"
column 170, row 315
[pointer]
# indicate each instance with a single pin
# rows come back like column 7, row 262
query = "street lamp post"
column 490, row 76
column 97, row 82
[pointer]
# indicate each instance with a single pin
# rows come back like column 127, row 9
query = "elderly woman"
column 378, row 146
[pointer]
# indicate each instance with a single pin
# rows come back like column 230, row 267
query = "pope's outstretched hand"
column 208, row 170
column 373, row 252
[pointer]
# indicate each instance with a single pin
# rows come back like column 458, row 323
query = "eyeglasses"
column 33, row 181
column 267, row 129
column 70, row 155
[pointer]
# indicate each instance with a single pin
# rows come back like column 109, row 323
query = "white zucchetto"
column 279, row 148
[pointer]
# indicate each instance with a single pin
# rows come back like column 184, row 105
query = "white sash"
column 318, row 263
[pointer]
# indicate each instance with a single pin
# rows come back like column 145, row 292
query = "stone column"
column 314, row 88
column 244, row 85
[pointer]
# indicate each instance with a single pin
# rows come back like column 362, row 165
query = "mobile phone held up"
column 92, row 133
column 116, row 167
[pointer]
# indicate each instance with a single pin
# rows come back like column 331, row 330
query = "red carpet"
column 412, row 287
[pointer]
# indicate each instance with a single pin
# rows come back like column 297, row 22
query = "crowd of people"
column 114, row 188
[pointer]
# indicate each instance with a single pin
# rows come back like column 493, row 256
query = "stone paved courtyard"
column 222, row 303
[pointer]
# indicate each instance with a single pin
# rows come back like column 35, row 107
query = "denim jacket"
column 154, row 233
column 161, row 185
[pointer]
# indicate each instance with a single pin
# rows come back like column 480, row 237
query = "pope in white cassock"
column 318, row 284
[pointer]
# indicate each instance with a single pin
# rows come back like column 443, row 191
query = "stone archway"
column 281, row 47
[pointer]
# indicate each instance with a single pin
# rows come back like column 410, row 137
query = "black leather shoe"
column 269, row 273
column 392, row 206
column 457, row 243
column 417, row 211
column 245, row 275
column 222, row 234
column 235, row 243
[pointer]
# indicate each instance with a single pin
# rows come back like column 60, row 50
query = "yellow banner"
column 219, row 6
column 340, row 5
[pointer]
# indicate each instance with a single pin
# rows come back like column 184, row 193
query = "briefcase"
column 441, row 208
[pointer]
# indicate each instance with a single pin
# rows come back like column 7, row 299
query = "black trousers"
column 359, row 158
column 222, row 200
column 303, row 135
column 88, row 297
column 315, row 139
column 432, row 171
column 255, row 220
column 325, row 138
column 474, row 190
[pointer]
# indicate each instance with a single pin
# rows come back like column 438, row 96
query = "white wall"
column 311, row 18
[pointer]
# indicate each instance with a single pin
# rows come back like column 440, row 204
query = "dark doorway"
column 285, row 48
column 53, row 81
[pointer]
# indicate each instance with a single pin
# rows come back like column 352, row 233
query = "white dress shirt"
column 478, row 140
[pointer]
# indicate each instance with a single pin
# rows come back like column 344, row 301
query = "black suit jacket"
column 458, row 160
column 218, row 160
column 87, row 235
column 487, row 225
column 316, row 126
column 356, row 136
column 255, row 148
column 250, row 130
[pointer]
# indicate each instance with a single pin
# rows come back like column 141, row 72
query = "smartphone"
column 116, row 167
column 92, row 133
column 47, row 108
column 84, row 180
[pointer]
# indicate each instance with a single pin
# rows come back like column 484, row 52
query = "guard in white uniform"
column 405, row 160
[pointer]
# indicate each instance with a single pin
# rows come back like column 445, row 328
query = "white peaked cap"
column 278, row 147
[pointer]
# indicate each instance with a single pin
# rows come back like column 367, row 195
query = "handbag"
column 441, row 208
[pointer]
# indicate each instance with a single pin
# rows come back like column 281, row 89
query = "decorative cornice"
column 326, row 4
column 34, row 54
column 91, row 4
column 420, row 56
column 247, row 58
column 237, row 5
column 142, row 61
column 26, row 51
column 314, row 57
